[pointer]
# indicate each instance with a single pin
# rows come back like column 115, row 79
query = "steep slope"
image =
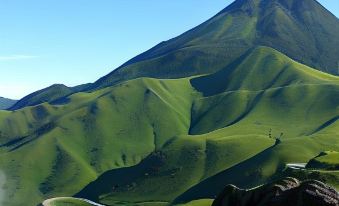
column 280, row 109
column 111, row 128
column 149, row 140
column 303, row 30
column 260, row 69
column 310, row 28
column 239, row 115
column 6, row 103
column 246, row 82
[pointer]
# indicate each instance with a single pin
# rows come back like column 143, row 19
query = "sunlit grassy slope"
column 326, row 160
column 304, row 30
column 49, row 151
column 149, row 140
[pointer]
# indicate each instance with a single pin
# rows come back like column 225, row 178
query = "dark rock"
column 287, row 192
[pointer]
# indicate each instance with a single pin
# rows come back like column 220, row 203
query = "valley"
column 245, row 100
column 197, row 144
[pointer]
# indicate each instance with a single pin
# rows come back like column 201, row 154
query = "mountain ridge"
column 245, row 24
column 217, row 107
column 244, row 6
column 6, row 103
column 175, row 133
column 52, row 94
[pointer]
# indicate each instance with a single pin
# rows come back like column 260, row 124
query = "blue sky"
column 77, row 41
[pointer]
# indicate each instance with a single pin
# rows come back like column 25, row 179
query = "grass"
column 325, row 161
column 133, row 140
column 74, row 151
column 216, row 43
column 150, row 140
column 202, row 202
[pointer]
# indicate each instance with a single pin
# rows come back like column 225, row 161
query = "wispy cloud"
column 16, row 57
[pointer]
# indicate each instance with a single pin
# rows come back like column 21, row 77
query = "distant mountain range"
column 6, row 103
column 52, row 94
column 236, row 100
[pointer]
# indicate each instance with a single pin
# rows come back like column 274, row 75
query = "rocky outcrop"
column 287, row 192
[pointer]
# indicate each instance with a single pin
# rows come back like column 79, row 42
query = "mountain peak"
column 252, row 5
column 301, row 29
column 245, row 24
column 245, row 5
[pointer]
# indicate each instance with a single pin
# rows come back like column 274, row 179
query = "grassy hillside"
column 92, row 134
column 310, row 28
column 325, row 161
column 156, row 140
column 149, row 140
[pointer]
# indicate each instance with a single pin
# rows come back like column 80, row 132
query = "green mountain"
column 236, row 100
column 148, row 141
column 6, row 103
column 303, row 30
